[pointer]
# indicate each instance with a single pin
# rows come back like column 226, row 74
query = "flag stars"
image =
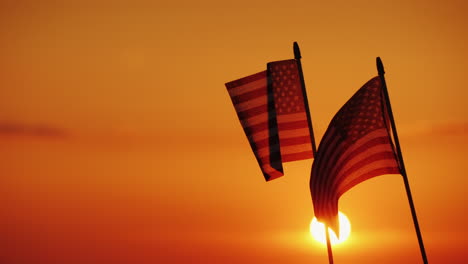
column 360, row 115
column 286, row 87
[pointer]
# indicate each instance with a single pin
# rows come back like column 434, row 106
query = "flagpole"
column 329, row 248
column 381, row 71
column 297, row 56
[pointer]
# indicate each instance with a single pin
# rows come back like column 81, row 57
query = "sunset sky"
column 119, row 142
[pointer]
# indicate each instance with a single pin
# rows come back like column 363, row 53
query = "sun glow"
column 317, row 230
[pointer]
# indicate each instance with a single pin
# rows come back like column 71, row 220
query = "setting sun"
column 317, row 230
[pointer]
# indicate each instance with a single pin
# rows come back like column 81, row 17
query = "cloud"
column 435, row 129
column 36, row 130
column 452, row 129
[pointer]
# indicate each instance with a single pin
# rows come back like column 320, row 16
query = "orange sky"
column 119, row 143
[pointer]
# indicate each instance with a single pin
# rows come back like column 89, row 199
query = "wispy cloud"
column 36, row 130
column 435, row 129
column 452, row 129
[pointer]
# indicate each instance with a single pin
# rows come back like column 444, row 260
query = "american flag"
column 271, row 108
column 356, row 146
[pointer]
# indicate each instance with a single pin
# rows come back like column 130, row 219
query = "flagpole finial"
column 297, row 51
column 380, row 67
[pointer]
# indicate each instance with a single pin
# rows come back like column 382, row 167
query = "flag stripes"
column 250, row 96
column 356, row 146
column 270, row 107
column 292, row 120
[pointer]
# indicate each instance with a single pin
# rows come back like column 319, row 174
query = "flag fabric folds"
column 356, row 146
column 271, row 108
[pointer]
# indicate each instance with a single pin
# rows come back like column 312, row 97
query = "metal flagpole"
column 297, row 56
column 381, row 71
column 329, row 248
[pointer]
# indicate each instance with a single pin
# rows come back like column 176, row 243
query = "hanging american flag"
column 356, row 146
column 271, row 108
